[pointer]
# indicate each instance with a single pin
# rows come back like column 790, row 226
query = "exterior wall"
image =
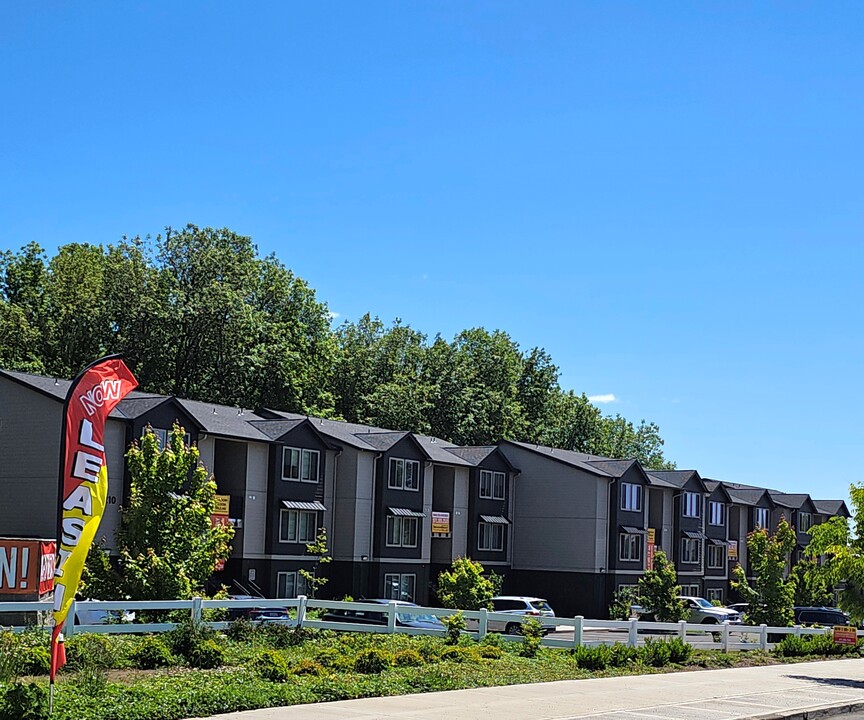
column 718, row 533
column 690, row 571
column 256, row 500
column 620, row 518
column 416, row 500
column 116, row 442
column 478, row 506
column 569, row 593
column 557, row 506
column 443, row 489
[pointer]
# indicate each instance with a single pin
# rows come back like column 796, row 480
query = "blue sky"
column 666, row 196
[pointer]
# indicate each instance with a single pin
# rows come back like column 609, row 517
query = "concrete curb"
column 823, row 711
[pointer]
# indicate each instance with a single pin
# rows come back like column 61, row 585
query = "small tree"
column 812, row 587
column 167, row 546
column 622, row 601
column 659, row 590
column 465, row 587
column 322, row 557
column 771, row 596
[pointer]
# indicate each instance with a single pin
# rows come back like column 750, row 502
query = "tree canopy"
column 199, row 314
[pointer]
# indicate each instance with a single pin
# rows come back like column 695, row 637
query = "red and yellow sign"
column 220, row 518
column 733, row 550
column 84, row 477
column 26, row 566
column 845, row 635
column 440, row 523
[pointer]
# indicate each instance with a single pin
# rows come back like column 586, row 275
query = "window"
column 716, row 513
column 690, row 590
column 631, row 497
column 760, row 517
column 300, row 464
column 290, row 585
column 690, row 550
column 399, row 586
column 490, row 536
column 630, row 546
column 714, row 594
column 805, row 522
column 690, row 504
column 298, row 526
column 162, row 436
column 404, row 474
column 492, row 484
column 401, row 531
column 716, row 556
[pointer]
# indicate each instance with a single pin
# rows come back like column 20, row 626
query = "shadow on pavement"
column 837, row 682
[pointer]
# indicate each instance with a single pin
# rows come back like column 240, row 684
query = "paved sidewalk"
column 778, row 691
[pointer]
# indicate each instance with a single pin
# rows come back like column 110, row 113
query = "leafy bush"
column 241, row 630
column 454, row 624
column 490, row 652
column 24, row 702
column 493, row 639
column 680, row 652
column 92, row 680
column 656, row 653
column 90, row 651
column 187, row 637
column 308, row 667
column 407, row 658
column 372, row 661
column 593, row 658
column 621, row 655
column 206, row 655
column 35, row 661
column 10, row 657
column 457, row 654
column 791, row 646
column 532, row 632
column 284, row 636
column 270, row 665
column 152, row 653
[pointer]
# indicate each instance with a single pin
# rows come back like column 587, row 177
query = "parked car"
column 824, row 616
column 702, row 611
column 373, row 617
column 521, row 607
column 269, row 615
column 97, row 616
column 741, row 608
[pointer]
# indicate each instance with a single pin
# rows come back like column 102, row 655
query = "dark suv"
column 824, row 616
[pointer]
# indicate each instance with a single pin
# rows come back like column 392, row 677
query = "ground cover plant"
column 194, row 672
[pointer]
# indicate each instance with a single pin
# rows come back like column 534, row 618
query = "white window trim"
column 685, row 497
column 628, row 490
column 622, row 544
column 388, row 584
column 396, row 519
column 720, row 550
column 691, row 542
column 298, row 541
column 763, row 511
column 492, row 476
column 491, row 536
column 714, row 594
column 690, row 590
column 801, row 516
column 298, row 583
column 394, row 462
column 712, row 504
column 301, row 452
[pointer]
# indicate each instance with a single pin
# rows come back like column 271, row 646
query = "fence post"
column 69, row 628
column 578, row 628
column 633, row 635
column 682, row 630
column 301, row 610
column 725, row 637
column 483, row 627
column 798, row 631
column 763, row 636
column 391, row 617
column 196, row 610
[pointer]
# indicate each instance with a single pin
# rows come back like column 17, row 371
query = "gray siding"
column 255, row 508
column 559, row 515
column 115, row 456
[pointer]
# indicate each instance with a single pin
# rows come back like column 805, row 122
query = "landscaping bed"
column 191, row 672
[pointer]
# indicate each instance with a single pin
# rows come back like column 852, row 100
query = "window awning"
column 715, row 541
column 405, row 512
column 495, row 519
column 693, row 535
column 631, row 530
column 300, row 505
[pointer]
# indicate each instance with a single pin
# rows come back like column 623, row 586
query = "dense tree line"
column 198, row 314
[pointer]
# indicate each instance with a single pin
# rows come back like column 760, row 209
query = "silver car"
column 521, row 608
column 702, row 611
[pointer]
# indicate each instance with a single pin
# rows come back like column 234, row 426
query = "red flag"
column 83, row 479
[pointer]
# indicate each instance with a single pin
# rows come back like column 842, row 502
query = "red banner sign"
column 26, row 566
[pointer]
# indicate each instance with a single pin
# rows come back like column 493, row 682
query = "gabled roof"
column 746, row 494
column 832, row 507
column 677, row 478
column 275, row 429
column 712, row 485
column 793, row 501
column 438, row 451
column 223, row 420
column 476, row 454
column 133, row 407
column 567, row 457
column 382, row 440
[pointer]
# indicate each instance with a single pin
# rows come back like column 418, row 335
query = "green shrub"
column 92, row 680
column 206, row 655
column 24, row 702
column 35, row 661
column 10, row 657
column 372, row 661
column 187, row 637
column 270, row 665
column 532, row 632
column 282, row 636
column 454, row 624
column 656, row 653
column 457, row 654
column 593, row 658
column 680, row 652
column 152, row 653
column 241, row 630
column 493, row 640
column 621, row 655
column 308, row 667
column 490, row 652
column 407, row 658
column 90, row 651
column 791, row 646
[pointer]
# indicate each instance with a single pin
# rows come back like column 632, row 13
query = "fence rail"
column 568, row 632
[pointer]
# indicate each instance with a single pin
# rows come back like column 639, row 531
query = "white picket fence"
column 569, row 632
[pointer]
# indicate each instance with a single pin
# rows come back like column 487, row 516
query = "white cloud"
column 602, row 399
column 333, row 315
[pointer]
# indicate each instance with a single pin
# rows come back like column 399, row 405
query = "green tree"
column 314, row 581
column 812, row 587
column 167, row 547
column 465, row 587
column 622, row 601
column 659, row 591
column 771, row 595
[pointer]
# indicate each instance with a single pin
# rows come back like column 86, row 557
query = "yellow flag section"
column 83, row 479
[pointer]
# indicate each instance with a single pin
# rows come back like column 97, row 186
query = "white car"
column 702, row 611
column 520, row 607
